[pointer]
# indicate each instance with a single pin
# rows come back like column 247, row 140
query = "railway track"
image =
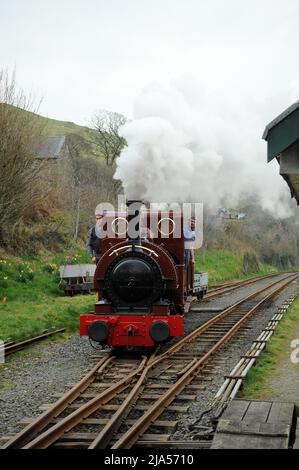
column 233, row 381
column 218, row 290
column 120, row 402
column 12, row 347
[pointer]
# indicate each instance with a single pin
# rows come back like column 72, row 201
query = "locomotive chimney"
column 134, row 207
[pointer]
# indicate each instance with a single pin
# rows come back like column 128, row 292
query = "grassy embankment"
column 31, row 301
column 224, row 265
column 275, row 362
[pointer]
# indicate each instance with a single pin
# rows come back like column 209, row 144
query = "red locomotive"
column 141, row 280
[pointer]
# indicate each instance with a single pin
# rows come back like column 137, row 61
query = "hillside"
column 90, row 136
column 55, row 127
column 52, row 127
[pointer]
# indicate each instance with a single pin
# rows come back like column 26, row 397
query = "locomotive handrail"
column 137, row 246
column 119, row 249
column 148, row 249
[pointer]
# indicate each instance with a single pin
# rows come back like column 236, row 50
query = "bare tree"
column 92, row 182
column 76, row 146
column 20, row 129
column 111, row 143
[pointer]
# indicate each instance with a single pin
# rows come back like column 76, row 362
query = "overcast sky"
column 81, row 55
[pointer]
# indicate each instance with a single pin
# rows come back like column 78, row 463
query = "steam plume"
column 186, row 145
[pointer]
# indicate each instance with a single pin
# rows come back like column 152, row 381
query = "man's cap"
column 100, row 212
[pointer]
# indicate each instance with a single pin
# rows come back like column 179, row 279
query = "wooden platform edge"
column 256, row 424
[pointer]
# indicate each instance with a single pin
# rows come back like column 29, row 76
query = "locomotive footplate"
column 131, row 330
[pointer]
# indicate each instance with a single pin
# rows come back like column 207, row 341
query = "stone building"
column 57, row 171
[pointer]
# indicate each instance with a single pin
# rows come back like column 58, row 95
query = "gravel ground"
column 30, row 380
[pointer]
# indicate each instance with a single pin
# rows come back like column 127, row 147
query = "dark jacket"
column 93, row 243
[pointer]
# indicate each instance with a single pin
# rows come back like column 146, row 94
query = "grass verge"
column 31, row 301
column 225, row 265
column 272, row 359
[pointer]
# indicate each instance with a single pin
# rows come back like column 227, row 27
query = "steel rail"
column 203, row 328
column 225, row 288
column 143, row 423
column 105, row 436
column 234, row 380
column 236, row 283
column 41, row 421
column 12, row 347
column 52, row 434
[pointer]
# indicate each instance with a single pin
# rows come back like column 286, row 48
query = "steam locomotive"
column 141, row 281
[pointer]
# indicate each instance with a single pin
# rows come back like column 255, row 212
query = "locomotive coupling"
column 130, row 331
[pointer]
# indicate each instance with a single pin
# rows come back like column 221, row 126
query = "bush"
column 56, row 277
column 20, row 278
column 3, row 284
column 48, row 268
column 250, row 263
column 29, row 276
column 24, row 274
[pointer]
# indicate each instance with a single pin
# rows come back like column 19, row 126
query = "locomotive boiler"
column 141, row 280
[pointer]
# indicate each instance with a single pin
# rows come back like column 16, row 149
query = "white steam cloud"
column 188, row 145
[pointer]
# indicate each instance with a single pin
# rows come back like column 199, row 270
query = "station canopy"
column 282, row 136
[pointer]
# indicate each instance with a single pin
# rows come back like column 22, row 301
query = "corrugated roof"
column 77, row 270
column 51, row 146
column 280, row 118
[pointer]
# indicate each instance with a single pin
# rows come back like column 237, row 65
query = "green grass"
column 31, row 301
column 223, row 265
column 256, row 384
column 55, row 127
